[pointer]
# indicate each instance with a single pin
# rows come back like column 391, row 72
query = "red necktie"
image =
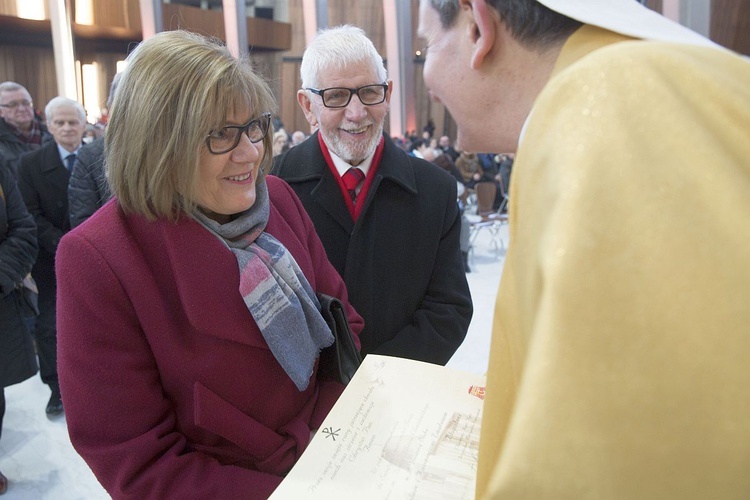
column 352, row 178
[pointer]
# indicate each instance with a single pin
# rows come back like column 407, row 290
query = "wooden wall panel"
column 366, row 15
column 290, row 112
column 730, row 24
column 296, row 20
column 262, row 33
column 10, row 8
column 115, row 13
column 268, row 65
column 205, row 22
column 107, row 65
column 270, row 35
column 657, row 5
column 32, row 67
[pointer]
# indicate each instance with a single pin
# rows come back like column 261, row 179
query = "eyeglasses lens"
column 226, row 139
column 16, row 104
column 340, row 97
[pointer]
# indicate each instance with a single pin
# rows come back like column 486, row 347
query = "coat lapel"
column 202, row 267
column 395, row 166
column 308, row 164
column 328, row 195
column 53, row 169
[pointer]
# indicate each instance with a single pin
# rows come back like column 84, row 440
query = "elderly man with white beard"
column 390, row 222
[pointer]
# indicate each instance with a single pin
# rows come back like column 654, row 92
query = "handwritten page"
column 403, row 429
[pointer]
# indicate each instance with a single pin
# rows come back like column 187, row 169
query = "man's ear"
column 304, row 102
column 481, row 29
column 389, row 91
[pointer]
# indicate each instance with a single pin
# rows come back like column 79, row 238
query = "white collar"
column 342, row 166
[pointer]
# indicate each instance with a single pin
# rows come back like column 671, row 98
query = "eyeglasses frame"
column 243, row 129
column 320, row 92
column 16, row 104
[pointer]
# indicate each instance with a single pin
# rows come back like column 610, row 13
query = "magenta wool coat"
column 170, row 391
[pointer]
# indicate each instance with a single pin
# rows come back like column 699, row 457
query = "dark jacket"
column 401, row 260
column 88, row 189
column 43, row 181
column 17, row 253
column 445, row 162
column 170, row 389
column 12, row 148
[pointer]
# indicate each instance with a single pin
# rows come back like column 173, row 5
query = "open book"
column 402, row 429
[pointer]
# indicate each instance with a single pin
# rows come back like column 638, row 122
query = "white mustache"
column 350, row 127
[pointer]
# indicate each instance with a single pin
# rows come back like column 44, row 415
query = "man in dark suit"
column 392, row 231
column 43, row 180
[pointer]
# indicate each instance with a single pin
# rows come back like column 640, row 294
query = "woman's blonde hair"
column 177, row 88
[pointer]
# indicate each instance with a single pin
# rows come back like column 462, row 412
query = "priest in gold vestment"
column 620, row 358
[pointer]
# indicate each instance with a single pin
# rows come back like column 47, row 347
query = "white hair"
column 60, row 101
column 336, row 48
column 11, row 87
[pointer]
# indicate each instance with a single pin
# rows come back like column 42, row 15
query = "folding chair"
column 486, row 216
column 504, row 193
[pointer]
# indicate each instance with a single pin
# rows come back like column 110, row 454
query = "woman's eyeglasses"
column 226, row 139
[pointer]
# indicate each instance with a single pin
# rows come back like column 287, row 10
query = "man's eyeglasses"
column 15, row 104
column 339, row 97
column 226, row 139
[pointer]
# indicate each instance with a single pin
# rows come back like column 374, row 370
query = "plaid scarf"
column 32, row 138
column 275, row 290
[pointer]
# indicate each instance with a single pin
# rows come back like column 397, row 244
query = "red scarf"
column 354, row 208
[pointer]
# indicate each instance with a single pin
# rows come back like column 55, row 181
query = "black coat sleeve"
column 18, row 245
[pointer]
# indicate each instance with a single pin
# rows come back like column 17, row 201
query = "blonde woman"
column 189, row 330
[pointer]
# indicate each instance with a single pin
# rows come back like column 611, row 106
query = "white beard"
column 353, row 153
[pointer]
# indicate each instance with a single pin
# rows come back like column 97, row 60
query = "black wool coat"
column 401, row 260
column 43, row 180
column 17, row 254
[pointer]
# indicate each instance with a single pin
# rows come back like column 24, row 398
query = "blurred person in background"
column 43, row 177
column 20, row 129
column 18, row 249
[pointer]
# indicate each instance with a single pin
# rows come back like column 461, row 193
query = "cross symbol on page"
column 330, row 433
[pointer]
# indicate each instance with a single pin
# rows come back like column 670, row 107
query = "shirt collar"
column 342, row 166
column 64, row 153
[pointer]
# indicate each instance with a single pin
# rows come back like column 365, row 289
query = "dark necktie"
column 352, row 178
column 70, row 159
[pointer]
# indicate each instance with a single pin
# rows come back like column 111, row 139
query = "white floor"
column 40, row 463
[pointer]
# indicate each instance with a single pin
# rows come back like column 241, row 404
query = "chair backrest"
column 486, row 192
column 504, row 193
